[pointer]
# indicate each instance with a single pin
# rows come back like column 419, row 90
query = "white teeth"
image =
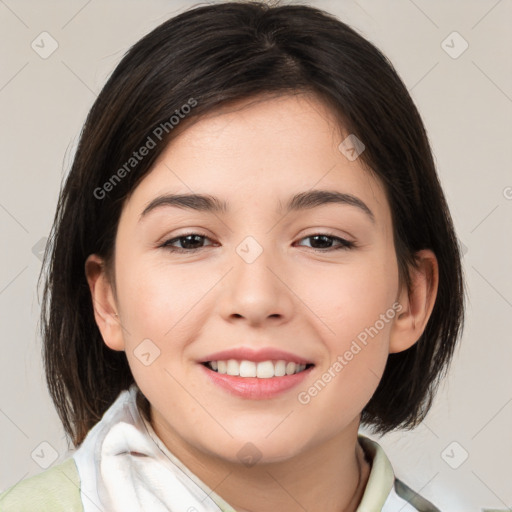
column 233, row 368
column 280, row 369
column 262, row 370
column 247, row 369
column 265, row 370
column 290, row 368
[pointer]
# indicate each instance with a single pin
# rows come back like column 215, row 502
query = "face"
column 315, row 285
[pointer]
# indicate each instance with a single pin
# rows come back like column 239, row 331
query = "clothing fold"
column 125, row 467
column 122, row 469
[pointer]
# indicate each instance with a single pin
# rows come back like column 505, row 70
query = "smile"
column 261, row 370
column 255, row 381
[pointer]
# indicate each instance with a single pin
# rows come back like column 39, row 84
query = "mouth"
column 255, row 374
column 252, row 380
column 256, row 369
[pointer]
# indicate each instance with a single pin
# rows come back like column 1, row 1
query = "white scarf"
column 115, row 480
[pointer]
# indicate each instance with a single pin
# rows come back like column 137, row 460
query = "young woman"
column 251, row 257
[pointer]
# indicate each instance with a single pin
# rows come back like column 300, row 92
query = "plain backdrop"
column 455, row 59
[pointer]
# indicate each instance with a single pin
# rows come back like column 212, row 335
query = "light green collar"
column 381, row 479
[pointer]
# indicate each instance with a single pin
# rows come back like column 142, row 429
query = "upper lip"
column 249, row 354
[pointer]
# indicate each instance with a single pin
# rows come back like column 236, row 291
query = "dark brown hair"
column 214, row 55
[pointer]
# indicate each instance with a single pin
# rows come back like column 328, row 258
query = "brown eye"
column 188, row 241
column 324, row 241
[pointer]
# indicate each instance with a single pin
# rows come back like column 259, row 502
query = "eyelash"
column 344, row 244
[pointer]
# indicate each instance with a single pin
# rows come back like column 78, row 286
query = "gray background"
column 466, row 103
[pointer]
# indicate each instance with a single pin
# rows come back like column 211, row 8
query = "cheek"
column 159, row 322
column 164, row 309
column 356, row 305
column 157, row 299
column 353, row 297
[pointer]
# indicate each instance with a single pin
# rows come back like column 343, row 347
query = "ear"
column 103, row 302
column 417, row 303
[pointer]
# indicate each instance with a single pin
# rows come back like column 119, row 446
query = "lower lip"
column 254, row 388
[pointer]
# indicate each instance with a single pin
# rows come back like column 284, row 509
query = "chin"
column 249, row 450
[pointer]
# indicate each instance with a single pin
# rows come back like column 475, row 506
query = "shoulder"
column 55, row 489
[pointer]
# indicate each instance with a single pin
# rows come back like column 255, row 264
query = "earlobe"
column 103, row 303
column 417, row 303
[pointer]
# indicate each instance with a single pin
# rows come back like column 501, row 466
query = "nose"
column 256, row 290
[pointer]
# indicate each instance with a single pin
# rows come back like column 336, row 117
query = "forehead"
column 260, row 152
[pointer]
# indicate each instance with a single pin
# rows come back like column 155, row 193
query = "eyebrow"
column 301, row 201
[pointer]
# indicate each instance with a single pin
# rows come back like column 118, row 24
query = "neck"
column 330, row 476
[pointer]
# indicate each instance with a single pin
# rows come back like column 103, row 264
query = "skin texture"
column 292, row 297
